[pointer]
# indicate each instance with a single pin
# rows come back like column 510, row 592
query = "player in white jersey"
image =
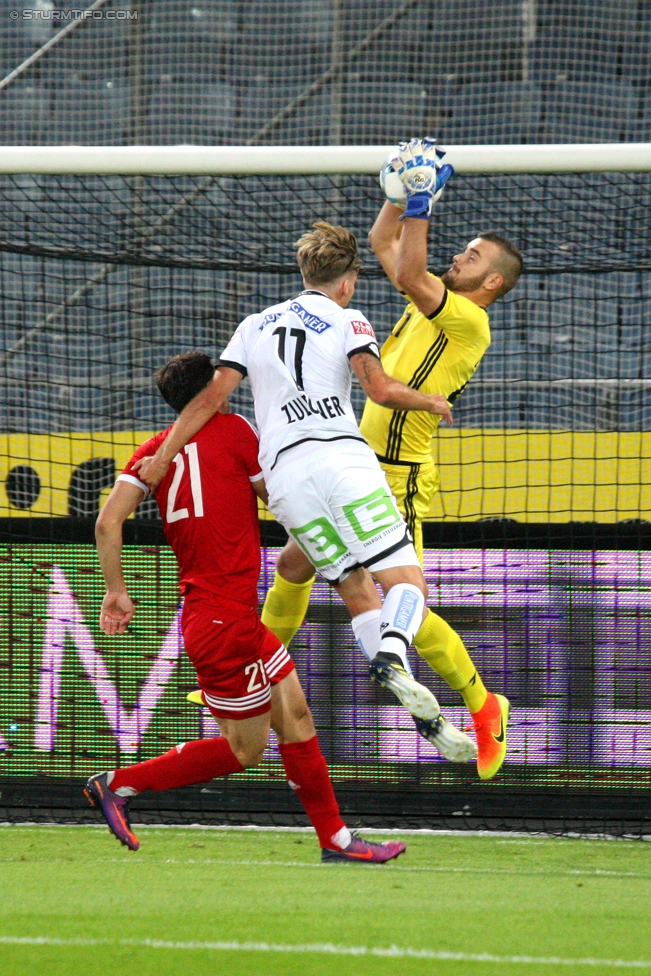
column 325, row 484
column 296, row 356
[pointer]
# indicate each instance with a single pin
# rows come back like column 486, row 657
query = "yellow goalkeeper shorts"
column 413, row 487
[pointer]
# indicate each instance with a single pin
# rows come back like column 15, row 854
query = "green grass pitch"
column 238, row 903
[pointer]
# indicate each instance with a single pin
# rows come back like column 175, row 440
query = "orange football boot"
column 490, row 729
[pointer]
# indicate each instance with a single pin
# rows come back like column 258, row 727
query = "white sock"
column 402, row 615
column 366, row 628
column 342, row 838
column 125, row 791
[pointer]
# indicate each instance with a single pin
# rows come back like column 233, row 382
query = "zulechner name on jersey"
column 312, row 322
column 303, row 406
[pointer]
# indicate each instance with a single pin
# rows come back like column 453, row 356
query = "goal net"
column 112, row 260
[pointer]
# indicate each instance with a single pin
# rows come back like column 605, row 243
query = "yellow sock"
column 445, row 652
column 285, row 607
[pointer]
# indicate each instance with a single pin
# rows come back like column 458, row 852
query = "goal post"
column 315, row 160
column 112, row 259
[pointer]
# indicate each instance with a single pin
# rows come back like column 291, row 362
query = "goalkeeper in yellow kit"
column 435, row 347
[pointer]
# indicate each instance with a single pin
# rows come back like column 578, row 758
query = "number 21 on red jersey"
column 172, row 514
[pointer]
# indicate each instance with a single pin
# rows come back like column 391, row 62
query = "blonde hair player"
column 436, row 344
column 325, row 484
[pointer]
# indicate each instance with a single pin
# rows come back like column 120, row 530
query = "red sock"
column 189, row 762
column 308, row 775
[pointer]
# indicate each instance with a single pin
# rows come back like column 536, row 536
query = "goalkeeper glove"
column 419, row 167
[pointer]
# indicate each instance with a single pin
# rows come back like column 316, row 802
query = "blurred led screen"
column 565, row 635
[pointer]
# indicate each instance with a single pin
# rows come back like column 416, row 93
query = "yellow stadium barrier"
column 543, row 475
column 527, row 475
column 60, row 462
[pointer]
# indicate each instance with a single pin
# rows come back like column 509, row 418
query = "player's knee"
column 249, row 754
column 294, row 566
column 255, row 758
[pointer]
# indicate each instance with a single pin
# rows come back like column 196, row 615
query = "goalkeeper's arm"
column 384, row 237
column 412, row 276
column 418, row 164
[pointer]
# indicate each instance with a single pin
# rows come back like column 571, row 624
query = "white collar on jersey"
column 312, row 291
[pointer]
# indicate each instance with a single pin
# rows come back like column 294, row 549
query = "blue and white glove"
column 418, row 165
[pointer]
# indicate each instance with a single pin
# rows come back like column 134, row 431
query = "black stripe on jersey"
column 230, row 365
column 438, row 311
column 457, row 393
column 397, row 422
column 412, row 491
column 319, row 440
column 429, row 362
column 401, row 324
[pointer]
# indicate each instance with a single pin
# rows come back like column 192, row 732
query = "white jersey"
column 296, row 355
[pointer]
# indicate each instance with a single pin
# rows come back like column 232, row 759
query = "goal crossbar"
column 315, row 160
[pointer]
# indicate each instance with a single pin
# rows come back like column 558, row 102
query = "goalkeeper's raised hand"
column 418, row 164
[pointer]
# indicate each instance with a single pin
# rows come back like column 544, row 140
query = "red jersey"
column 209, row 510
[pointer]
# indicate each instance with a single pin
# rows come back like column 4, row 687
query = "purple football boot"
column 364, row 853
column 114, row 809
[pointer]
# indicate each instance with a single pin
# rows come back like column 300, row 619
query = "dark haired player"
column 208, row 505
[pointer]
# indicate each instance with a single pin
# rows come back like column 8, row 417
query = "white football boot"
column 388, row 671
column 451, row 742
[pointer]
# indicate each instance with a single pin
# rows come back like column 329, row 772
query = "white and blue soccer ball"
column 392, row 186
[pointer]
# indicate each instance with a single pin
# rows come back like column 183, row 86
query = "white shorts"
column 334, row 500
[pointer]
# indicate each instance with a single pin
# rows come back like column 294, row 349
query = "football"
column 392, row 185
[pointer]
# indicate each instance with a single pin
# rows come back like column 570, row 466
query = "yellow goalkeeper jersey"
column 434, row 354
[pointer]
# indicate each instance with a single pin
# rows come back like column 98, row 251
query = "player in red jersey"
column 208, row 505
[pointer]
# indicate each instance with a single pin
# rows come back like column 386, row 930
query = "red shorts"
column 237, row 658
